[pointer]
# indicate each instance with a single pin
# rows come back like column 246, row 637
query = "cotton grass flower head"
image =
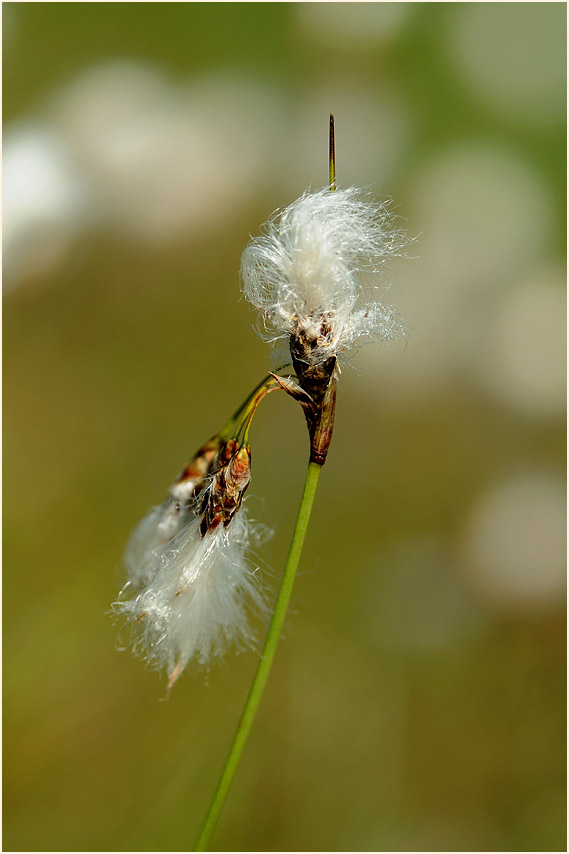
column 190, row 581
column 308, row 273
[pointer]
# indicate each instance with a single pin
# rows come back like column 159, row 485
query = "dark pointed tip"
column 332, row 155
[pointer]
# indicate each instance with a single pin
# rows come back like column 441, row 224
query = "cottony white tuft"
column 306, row 273
column 190, row 592
column 145, row 547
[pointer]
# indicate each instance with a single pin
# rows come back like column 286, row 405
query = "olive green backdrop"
column 417, row 700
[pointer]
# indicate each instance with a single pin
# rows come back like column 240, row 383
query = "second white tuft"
column 190, row 595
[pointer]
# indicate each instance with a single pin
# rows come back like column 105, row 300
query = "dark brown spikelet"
column 319, row 382
column 314, row 379
column 230, row 477
column 315, row 390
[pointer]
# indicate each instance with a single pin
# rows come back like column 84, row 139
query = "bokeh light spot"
column 524, row 360
column 340, row 25
column 513, row 543
column 44, row 202
column 512, row 56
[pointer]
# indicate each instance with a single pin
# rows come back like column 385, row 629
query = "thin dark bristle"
column 332, row 155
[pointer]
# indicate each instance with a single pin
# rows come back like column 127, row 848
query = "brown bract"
column 190, row 481
column 201, row 462
column 316, row 393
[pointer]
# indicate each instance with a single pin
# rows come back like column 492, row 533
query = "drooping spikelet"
column 307, row 273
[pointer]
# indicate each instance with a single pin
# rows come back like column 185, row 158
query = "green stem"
column 266, row 660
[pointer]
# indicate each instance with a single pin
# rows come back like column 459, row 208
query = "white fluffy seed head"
column 190, row 595
column 306, row 273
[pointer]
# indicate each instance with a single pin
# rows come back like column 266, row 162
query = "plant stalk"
column 266, row 660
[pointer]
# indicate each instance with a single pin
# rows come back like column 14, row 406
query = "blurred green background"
column 418, row 697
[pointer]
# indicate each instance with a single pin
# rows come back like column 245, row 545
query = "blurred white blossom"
column 45, row 201
column 168, row 158
column 123, row 145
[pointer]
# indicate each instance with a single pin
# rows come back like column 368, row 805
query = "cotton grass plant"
column 191, row 579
